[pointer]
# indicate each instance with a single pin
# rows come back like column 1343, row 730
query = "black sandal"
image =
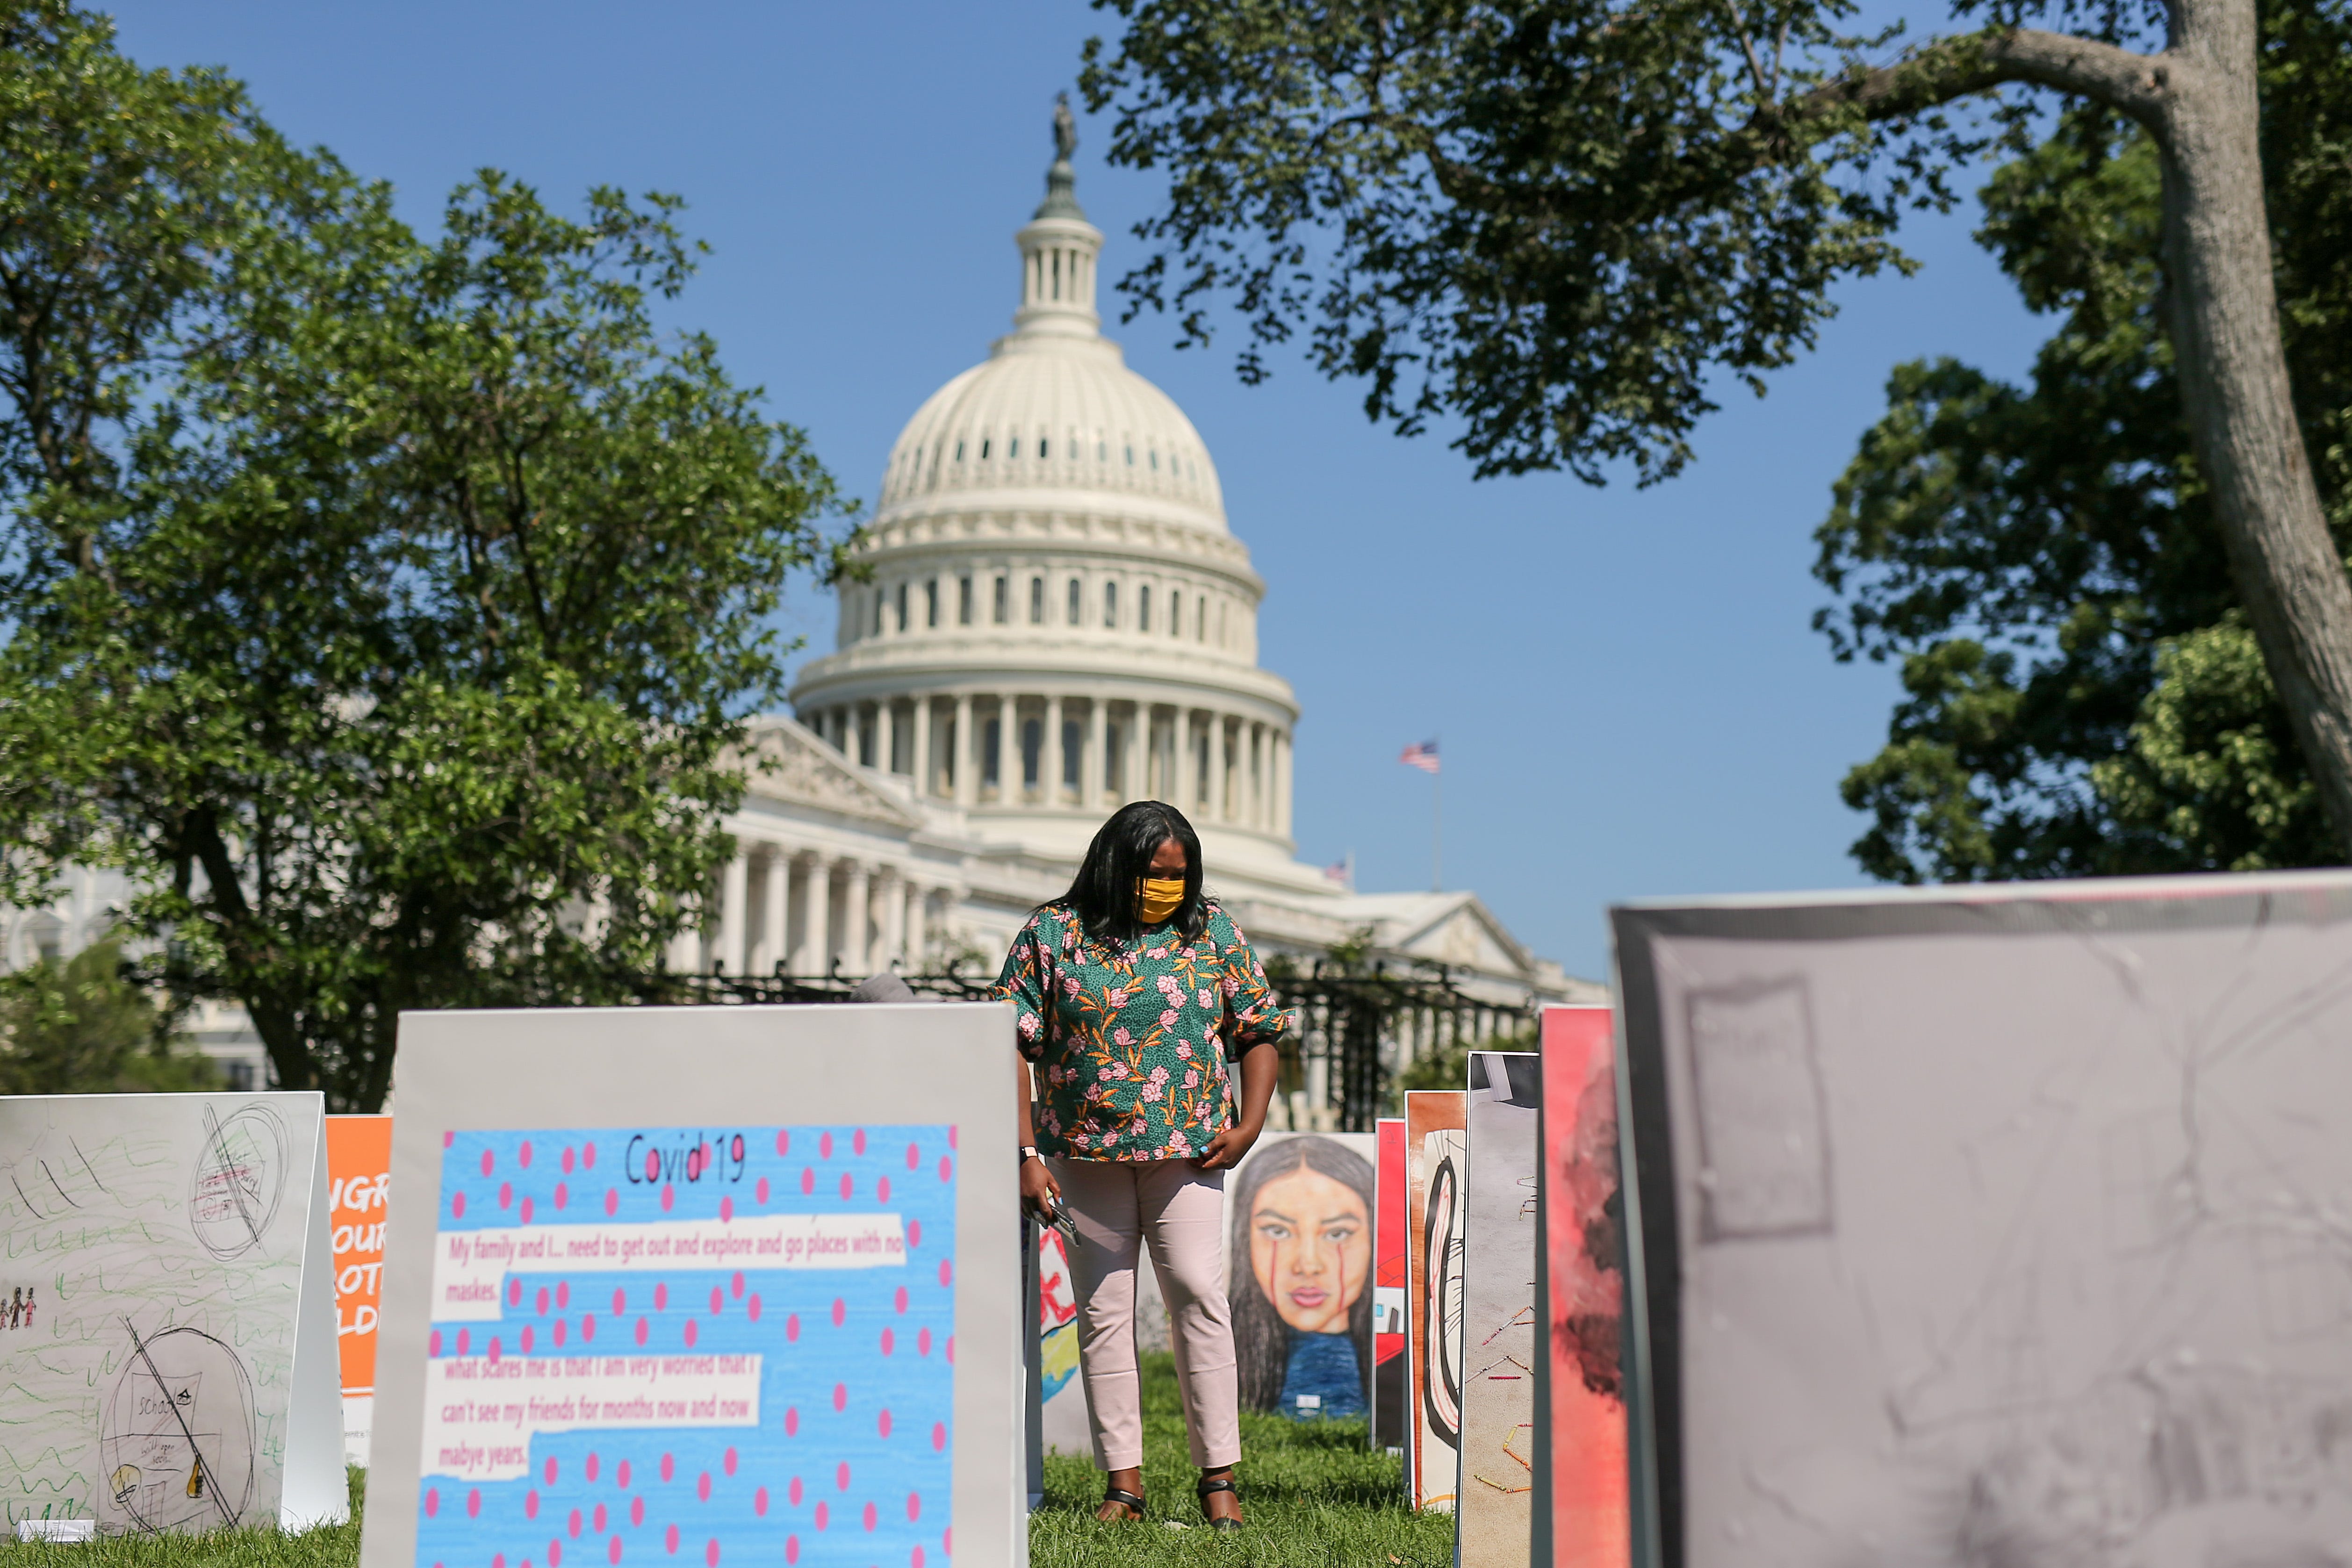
column 1219, row 1484
column 1133, row 1502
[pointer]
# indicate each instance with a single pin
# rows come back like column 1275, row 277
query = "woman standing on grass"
column 1133, row 990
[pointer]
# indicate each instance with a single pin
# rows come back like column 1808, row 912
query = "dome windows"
column 1013, row 449
column 1130, row 454
column 902, row 606
column 1110, row 604
column 1175, row 614
column 1075, row 612
column 1003, row 600
column 932, row 604
column 1036, row 601
column 1155, row 459
column 963, row 601
column 958, row 457
column 1045, row 448
column 983, row 448
column 1143, row 608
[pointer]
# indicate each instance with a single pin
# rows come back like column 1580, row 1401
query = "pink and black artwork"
column 1580, row 1514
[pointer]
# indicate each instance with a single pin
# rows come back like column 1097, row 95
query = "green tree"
column 81, row 1026
column 1556, row 219
column 2083, row 694
column 405, row 654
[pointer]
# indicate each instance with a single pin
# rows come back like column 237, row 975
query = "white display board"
column 702, row 1284
column 167, row 1313
column 1492, row 1518
column 1994, row 1224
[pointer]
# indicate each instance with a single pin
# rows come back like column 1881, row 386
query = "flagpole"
column 1437, row 825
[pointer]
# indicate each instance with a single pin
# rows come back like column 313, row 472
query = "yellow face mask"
column 1158, row 898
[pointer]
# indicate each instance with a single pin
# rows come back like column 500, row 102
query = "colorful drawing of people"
column 1302, row 1233
column 20, row 1308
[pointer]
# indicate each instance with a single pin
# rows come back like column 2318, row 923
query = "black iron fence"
column 1357, row 1032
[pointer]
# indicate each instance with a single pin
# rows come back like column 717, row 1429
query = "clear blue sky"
column 1631, row 700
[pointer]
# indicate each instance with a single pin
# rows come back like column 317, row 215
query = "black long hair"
column 1261, row 1339
column 1104, row 897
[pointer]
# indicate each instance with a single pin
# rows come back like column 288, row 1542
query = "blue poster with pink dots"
column 691, row 1345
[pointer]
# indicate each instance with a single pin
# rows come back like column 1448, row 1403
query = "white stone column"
column 967, row 754
column 921, row 760
column 731, row 887
column 885, row 734
column 1051, row 767
column 1008, row 751
column 856, row 919
column 891, row 893
column 1188, row 775
column 1220, row 797
column 775, row 919
column 1256, row 775
column 815, row 877
column 1092, row 772
column 918, row 934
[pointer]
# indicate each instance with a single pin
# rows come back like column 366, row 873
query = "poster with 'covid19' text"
column 665, row 1340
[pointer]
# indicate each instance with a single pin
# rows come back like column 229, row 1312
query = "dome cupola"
column 1056, row 618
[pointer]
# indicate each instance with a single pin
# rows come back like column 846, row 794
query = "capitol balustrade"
column 990, row 749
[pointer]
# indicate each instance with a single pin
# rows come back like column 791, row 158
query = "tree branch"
column 1946, row 70
column 1956, row 68
column 1748, row 46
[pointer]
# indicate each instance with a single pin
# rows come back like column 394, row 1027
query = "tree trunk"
column 2232, row 368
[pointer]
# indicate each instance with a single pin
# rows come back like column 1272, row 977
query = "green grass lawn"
column 331, row 1546
column 1314, row 1496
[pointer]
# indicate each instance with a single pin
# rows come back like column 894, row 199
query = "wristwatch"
column 1029, row 1152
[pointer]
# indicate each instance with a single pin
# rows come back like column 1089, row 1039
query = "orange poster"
column 359, row 1168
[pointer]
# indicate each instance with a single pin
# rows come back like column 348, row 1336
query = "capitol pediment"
column 1453, row 928
column 793, row 768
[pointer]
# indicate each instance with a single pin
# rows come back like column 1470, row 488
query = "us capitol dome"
column 1057, row 619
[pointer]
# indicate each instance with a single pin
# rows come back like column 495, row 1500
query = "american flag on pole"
column 1421, row 755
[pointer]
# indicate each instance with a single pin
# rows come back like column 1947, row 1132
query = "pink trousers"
column 1178, row 1211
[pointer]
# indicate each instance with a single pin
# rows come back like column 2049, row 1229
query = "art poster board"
column 1491, row 1515
column 1580, row 1518
column 168, row 1338
column 1994, row 1224
column 800, row 1337
column 359, row 1176
column 1063, row 1422
column 1298, row 1274
column 1437, row 1155
column 1388, row 1407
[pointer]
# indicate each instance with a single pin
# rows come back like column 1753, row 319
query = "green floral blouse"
column 1133, row 1068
